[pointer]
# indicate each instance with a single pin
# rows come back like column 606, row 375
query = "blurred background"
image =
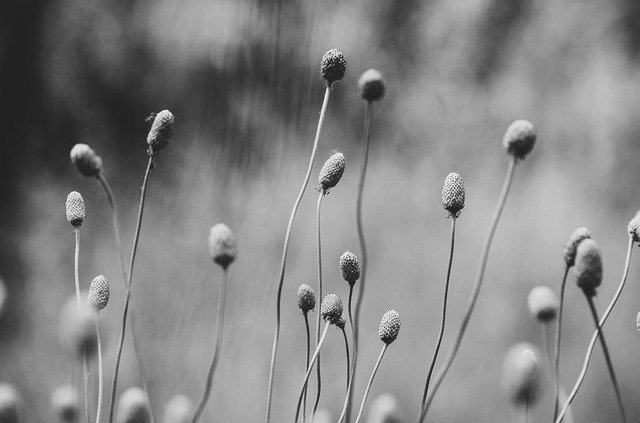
column 242, row 78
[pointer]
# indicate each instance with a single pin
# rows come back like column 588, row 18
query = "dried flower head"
column 222, row 245
column 65, row 404
column 521, row 374
column 86, row 160
column 453, row 194
column 306, row 298
column 133, row 407
column 350, row 267
column 588, row 267
column 333, row 66
column 575, row 239
column 342, row 322
column 75, row 210
column 389, row 327
column 384, row 409
column 634, row 227
column 543, row 303
column 10, row 403
column 371, row 86
column 331, row 171
column 331, row 308
column 161, row 131
column 77, row 328
column 179, row 410
column 98, row 293
column 519, row 139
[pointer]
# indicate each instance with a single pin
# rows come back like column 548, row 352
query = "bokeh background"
column 242, row 78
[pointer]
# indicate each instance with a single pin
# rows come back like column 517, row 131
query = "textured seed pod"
column 384, row 409
column 521, row 374
column 371, row 86
column 75, row 210
column 77, row 328
column 333, row 66
column 519, row 139
column 86, row 160
column 179, row 410
column 10, row 403
column 306, row 298
column 342, row 322
column 331, row 308
column 588, row 267
column 543, row 303
column 98, row 296
column 65, row 404
column 133, row 407
column 222, row 245
column 453, row 194
column 389, row 326
column 331, row 171
column 350, row 267
column 323, row 416
column 575, row 239
column 161, row 131
column 634, row 227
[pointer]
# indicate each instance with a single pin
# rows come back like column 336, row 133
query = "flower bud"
column 161, row 131
column 575, row 239
column 331, row 171
column 75, row 210
column 543, row 303
column 349, row 267
column 10, row 403
column 77, row 329
column 519, row 139
column 588, row 267
column 371, row 86
column 453, row 194
column 384, row 409
column 222, row 245
column 331, row 308
column 64, row 403
column 133, row 407
column 179, row 410
column 86, row 160
column 521, row 374
column 306, row 298
column 389, row 327
column 333, row 66
column 98, row 296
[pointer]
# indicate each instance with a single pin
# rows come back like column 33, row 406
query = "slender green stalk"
column 294, row 211
column 317, row 401
column 304, row 401
column 476, row 287
column 100, row 375
column 556, row 375
column 216, row 354
column 346, row 346
column 309, row 368
column 85, row 366
column 368, row 388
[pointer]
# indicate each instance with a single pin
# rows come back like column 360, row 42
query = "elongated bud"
column 222, row 245
column 521, row 374
column 519, row 139
column 588, row 267
column 634, row 227
column 77, row 328
column 333, row 66
column 543, row 304
column 384, row 409
column 133, row 407
column 75, row 210
column 349, row 267
column 179, row 410
column 331, row 171
column 575, row 239
column 453, row 194
column 371, row 86
column 98, row 296
column 161, row 131
column 10, row 403
column 342, row 322
column 86, row 160
column 389, row 327
column 306, row 298
column 331, row 308
column 64, row 403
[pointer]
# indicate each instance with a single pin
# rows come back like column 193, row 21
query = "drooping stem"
column 309, row 368
column 285, row 248
column 85, row 366
column 556, row 367
column 304, row 400
column 346, row 346
column 100, row 375
column 368, row 388
column 319, row 251
column 476, row 287
column 218, row 345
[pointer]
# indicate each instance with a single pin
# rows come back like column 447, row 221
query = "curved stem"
column 319, row 390
column 309, row 368
column 368, row 388
column 283, row 263
column 556, row 366
column 216, row 353
column 343, row 413
column 346, row 346
column 100, row 377
column 304, row 400
column 476, row 287
column 85, row 366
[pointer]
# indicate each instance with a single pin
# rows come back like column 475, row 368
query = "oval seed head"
column 331, row 308
column 342, row 322
column 371, row 86
column 575, row 239
column 588, row 267
column 350, row 267
column 521, row 374
column 86, row 160
column 161, row 131
column 519, row 139
column 9, row 403
column 332, row 171
column 389, row 327
column 222, row 245
column 75, row 210
column 179, row 410
column 332, row 66
column 98, row 293
column 384, row 409
column 634, row 227
column 543, row 304
column 453, row 194
column 306, row 298
column 64, row 403
column 133, row 407
column 77, row 328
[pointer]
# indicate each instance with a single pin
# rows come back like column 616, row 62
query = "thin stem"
column 85, row 366
column 304, row 401
column 594, row 337
column 319, row 251
column 525, row 410
column 343, row 413
column 556, row 375
column 444, row 311
column 100, row 376
column 114, row 383
column 85, row 384
column 283, row 263
column 216, row 353
column 546, row 343
column 368, row 388
column 310, row 367
column 346, row 346
column 476, row 287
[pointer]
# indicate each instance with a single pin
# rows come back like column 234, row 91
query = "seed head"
column 389, row 327
column 634, row 227
column 332, row 171
column 133, row 407
column 179, row 410
column 77, row 328
column 333, row 66
column 371, row 86
column 161, row 131
column 331, row 308
column 453, row 194
column 521, row 374
column 76, row 212
column 98, row 293
column 575, row 239
column 350, row 267
column 384, row 409
column 222, row 245
column 342, row 322
column 10, row 403
column 588, row 267
column 543, row 304
column 519, row 139
column 64, row 403
column 86, row 160
column 306, row 298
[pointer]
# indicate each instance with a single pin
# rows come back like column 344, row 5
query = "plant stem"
column 100, row 376
column 216, row 354
column 525, row 409
column 317, row 401
column 304, row 401
column 546, row 343
column 373, row 374
column 346, row 346
column 444, row 311
column 476, row 287
column 283, row 263
column 114, row 383
column 309, row 368
column 556, row 375
column 85, row 366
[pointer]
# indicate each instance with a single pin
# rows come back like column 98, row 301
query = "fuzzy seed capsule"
column 384, row 409
column 588, row 267
column 371, row 86
column 350, row 267
column 332, row 171
column 10, row 403
column 86, row 160
column 179, row 410
column 306, row 298
column 222, row 245
column 98, row 296
column 575, row 239
column 64, row 403
column 634, row 227
column 75, row 209
column 543, row 304
column 521, row 374
column 331, row 308
column 133, row 407
column 519, row 139
column 389, row 327
column 333, row 66
column 77, row 329
column 161, row 131
column 453, row 194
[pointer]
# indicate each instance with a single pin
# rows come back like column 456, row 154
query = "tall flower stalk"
column 306, row 303
column 98, row 298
